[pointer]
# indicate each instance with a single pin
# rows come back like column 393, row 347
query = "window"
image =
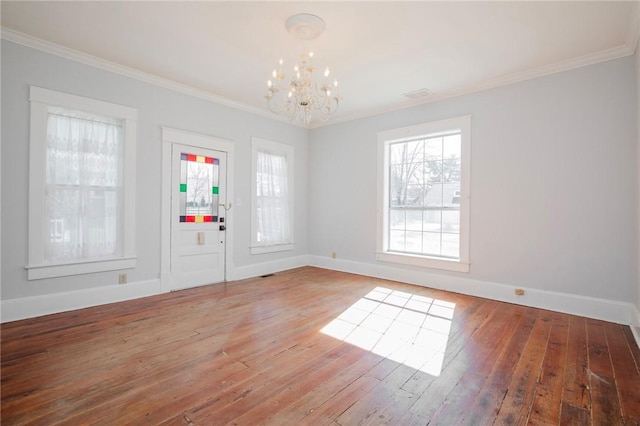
column 81, row 185
column 199, row 188
column 272, row 197
column 424, row 195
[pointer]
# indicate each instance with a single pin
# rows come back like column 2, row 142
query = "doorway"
column 195, row 213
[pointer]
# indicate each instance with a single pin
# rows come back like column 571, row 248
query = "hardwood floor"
column 317, row 347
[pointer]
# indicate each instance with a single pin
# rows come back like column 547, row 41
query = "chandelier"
column 300, row 97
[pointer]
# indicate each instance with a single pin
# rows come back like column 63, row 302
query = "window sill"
column 38, row 272
column 424, row 261
column 271, row 249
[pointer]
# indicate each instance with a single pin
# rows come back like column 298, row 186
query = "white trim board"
column 36, row 306
column 46, row 304
column 607, row 310
column 635, row 324
column 96, row 62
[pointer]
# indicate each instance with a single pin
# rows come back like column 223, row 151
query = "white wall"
column 22, row 66
column 553, row 190
column 555, row 182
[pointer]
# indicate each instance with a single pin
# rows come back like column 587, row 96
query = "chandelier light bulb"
column 326, row 72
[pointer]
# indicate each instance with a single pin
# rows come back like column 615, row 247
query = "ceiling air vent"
column 416, row 94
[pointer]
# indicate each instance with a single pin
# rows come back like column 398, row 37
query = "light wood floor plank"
column 259, row 351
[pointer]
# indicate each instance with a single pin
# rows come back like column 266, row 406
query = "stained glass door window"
column 198, row 188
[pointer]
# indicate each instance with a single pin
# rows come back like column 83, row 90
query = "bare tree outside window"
column 199, row 178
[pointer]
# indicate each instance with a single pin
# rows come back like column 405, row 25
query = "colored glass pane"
column 198, row 173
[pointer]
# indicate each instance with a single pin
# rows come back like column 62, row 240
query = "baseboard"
column 607, row 310
column 264, row 268
column 635, row 324
column 35, row 306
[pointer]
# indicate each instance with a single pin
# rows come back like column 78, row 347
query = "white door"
column 198, row 197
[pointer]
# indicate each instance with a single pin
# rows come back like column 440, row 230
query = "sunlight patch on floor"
column 407, row 328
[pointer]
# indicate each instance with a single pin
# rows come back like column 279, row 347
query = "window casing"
column 423, row 195
column 271, row 197
column 81, row 185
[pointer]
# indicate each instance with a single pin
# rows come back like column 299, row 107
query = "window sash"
column 272, row 199
column 84, row 160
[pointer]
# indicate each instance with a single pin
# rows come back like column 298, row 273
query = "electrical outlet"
column 519, row 292
column 334, row 255
column 122, row 279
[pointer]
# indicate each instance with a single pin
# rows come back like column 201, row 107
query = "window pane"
column 434, row 196
column 451, row 194
column 432, row 220
column 451, row 146
column 431, row 243
column 451, row 245
column 413, row 242
column 414, row 220
column 396, row 240
column 451, row 221
column 397, row 219
column 433, row 171
column 198, row 188
column 433, row 148
column 451, row 169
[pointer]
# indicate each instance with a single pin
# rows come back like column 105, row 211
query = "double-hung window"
column 81, row 185
column 272, row 197
column 423, row 191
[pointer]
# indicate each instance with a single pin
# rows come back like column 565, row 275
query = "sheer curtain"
column 273, row 222
column 84, row 172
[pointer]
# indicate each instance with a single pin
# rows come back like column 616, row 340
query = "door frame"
column 170, row 137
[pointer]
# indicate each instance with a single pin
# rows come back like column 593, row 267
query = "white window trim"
column 41, row 99
column 395, row 135
column 264, row 145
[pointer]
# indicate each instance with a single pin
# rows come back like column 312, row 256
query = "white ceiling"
column 377, row 50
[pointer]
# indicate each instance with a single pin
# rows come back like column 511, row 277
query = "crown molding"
column 606, row 55
column 96, row 62
column 581, row 61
